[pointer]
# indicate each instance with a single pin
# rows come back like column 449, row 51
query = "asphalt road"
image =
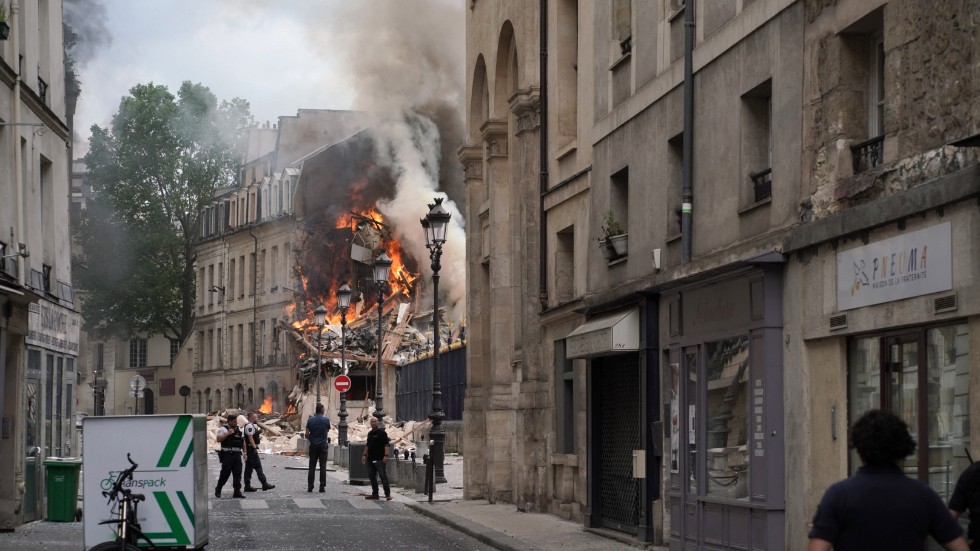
column 286, row 518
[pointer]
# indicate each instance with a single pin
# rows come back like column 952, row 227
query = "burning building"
column 298, row 226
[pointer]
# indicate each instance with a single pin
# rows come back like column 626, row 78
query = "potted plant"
column 4, row 27
column 615, row 236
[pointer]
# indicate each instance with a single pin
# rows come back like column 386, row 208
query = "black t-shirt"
column 377, row 440
column 880, row 508
column 966, row 497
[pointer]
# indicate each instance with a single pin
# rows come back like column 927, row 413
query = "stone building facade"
column 39, row 321
column 695, row 386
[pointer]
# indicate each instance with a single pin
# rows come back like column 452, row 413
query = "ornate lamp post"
column 382, row 267
column 436, row 225
column 343, row 302
column 321, row 317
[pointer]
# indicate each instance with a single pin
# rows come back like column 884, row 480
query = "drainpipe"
column 543, row 216
column 687, row 191
column 15, row 141
column 255, row 295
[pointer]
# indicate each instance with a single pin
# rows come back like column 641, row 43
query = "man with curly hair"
column 879, row 508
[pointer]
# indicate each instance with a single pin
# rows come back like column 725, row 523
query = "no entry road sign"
column 342, row 383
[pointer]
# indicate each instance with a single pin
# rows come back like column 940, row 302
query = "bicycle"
column 128, row 531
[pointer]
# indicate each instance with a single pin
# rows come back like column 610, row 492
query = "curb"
column 493, row 538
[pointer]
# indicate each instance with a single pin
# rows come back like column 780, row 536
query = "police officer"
column 231, row 453
column 253, row 434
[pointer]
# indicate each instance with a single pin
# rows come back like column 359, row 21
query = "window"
column 209, row 351
column 567, row 73
column 887, row 372
column 565, row 265
column 675, row 183
column 564, row 400
column 174, row 349
column 137, row 352
column 623, row 22
column 876, row 87
column 756, row 154
column 218, row 349
column 231, row 279
column 274, row 272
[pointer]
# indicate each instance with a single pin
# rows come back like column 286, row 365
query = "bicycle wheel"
column 114, row 546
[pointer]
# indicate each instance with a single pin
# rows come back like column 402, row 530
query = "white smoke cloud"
column 407, row 60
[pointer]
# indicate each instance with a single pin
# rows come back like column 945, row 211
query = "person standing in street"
column 231, row 453
column 880, row 508
column 317, row 428
column 966, row 497
column 253, row 435
column 376, row 457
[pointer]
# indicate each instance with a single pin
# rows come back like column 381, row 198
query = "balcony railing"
column 762, row 184
column 867, row 154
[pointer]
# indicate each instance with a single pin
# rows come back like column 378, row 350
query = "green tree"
column 151, row 172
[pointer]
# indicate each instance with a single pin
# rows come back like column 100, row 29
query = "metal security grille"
column 616, row 385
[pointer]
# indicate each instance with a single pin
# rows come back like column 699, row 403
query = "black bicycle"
column 128, row 531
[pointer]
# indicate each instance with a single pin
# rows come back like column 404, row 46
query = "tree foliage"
column 151, row 172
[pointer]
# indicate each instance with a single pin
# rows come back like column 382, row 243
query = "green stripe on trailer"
column 177, row 534
column 170, row 450
column 186, row 505
column 189, row 454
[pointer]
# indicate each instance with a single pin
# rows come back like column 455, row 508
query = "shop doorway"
column 922, row 376
column 616, row 424
column 32, row 461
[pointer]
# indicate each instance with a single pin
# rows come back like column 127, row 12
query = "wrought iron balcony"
column 762, row 184
column 867, row 154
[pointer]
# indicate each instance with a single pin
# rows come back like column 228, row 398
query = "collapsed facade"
column 796, row 223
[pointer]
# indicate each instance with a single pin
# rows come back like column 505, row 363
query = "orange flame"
column 400, row 278
column 290, row 409
column 266, row 405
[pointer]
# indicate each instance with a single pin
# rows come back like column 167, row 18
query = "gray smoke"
column 87, row 19
column 407, row 60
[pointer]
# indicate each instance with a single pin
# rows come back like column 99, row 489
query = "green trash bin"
column 62, row 483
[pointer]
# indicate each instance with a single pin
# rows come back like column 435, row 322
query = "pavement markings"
column 254, row 504
column 308, row 503
column 361, row 503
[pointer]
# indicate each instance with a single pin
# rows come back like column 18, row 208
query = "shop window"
column 726, row 417
column 887, row 372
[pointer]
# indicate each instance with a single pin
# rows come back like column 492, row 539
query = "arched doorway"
column 148, row 405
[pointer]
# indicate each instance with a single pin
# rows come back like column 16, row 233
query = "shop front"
column 723, row 393
column 918, row 368
column 623, row 418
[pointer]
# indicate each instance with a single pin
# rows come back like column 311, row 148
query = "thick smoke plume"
column 407, row 60
column 88, row 20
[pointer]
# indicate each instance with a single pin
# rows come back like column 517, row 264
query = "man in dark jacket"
column 317, row 428
column 879, row 508
column 966, row 497
column 376, row 457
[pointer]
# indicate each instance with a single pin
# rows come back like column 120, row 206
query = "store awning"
column 605, row 335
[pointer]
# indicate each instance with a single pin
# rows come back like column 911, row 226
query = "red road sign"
column 342, row 383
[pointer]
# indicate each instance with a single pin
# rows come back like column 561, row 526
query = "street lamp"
column 343, row 302
column 382, row 267
column 436, row 225
column 321, row 317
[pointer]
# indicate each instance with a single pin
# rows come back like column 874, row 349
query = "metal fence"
column 413, row 392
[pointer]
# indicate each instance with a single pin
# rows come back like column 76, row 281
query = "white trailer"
column 171, row 451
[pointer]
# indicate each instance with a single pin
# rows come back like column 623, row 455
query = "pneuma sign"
column 896, row 268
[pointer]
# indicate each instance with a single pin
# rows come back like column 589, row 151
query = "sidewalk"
column 501, row 525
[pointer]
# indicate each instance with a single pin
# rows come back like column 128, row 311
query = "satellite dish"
column 137, row 383
column 185, row 391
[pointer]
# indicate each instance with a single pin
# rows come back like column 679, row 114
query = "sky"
column 401, row 59
column 280, row 55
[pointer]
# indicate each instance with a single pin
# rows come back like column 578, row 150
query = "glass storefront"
column 922, row 376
